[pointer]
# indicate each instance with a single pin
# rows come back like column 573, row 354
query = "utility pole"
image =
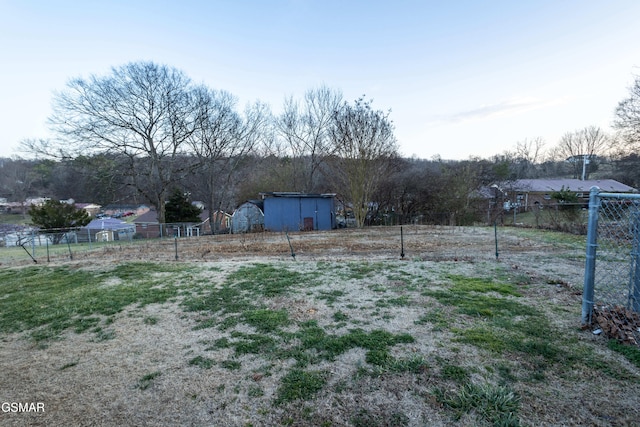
column 585, row 162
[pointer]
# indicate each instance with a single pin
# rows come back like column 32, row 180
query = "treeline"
column 429, row 191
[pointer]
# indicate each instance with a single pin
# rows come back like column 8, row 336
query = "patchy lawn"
column 239, row 333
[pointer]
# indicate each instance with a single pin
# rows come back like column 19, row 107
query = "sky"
column 461, row 78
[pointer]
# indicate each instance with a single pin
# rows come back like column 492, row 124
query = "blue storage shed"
column 284, row 211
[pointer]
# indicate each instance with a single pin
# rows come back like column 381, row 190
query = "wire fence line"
column 38, row 243
column 419, row 241
column 611, row 294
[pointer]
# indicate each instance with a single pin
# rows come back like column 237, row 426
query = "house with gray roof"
column 528, row 193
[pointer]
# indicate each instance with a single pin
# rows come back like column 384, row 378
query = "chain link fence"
column 611, row 294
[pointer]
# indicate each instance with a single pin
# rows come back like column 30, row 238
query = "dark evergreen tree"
column 58, row 217
column 180, row 209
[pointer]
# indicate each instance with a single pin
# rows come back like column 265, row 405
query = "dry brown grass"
column 425, row 242
column 143, row 376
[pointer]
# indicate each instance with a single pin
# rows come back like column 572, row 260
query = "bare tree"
column 364, row 145
column 458, row 182
column 627, row 169
column 581, row 149
column 628, row 117
column 305, row 127
column 44, row 148
column 221, row 140
column 527, row 154
column 143, row 112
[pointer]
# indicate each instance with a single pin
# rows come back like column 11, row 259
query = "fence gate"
column 611, row 294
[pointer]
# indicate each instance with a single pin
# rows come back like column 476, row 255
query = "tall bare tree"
column 221, row 140
column 527, row 154
column 142, row 111
column 627, row 119
column 581, row 149
column 305, row 127
column 364, row 148
column 458, row 183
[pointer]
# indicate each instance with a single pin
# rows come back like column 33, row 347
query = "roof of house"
column 131, row 207
column 547, row 185
column 108, row 224
column 151, row 217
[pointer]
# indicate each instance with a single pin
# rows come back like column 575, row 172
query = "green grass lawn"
column 497, row 348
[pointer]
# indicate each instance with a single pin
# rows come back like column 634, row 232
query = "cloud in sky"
column 502, row 109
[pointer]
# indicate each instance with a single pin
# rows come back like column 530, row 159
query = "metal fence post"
column 495, row 235
column 634, row 282
column 33, row 243
column 66, row 236
column 590, row 263
column 175, row 240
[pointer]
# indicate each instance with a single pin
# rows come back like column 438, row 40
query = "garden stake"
column 293, row 255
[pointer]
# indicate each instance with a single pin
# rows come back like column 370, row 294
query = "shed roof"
column 297, row 194
column 258, row 203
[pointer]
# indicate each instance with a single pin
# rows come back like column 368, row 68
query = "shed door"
column 308, row 223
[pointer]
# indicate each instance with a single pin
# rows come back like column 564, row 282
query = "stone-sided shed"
column 284, row 211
